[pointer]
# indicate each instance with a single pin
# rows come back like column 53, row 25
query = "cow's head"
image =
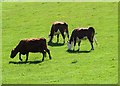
column 13, row 53
column 69, row 45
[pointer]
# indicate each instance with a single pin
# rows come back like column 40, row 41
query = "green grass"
column 31, row 20
column 0, row 43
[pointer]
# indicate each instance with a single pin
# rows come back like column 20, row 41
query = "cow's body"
column 58, row 28
column 79, row 34
column 31, row 45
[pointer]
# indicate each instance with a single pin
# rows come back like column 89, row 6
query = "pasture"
column 33, row 20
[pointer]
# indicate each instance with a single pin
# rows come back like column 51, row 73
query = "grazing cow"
column 31, row 45
column 80, row 33
column 56, row 29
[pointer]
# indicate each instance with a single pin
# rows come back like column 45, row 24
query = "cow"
column 33, row 45
column 56, row 29
column 80, row 33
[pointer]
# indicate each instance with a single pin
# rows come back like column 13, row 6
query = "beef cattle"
column 56, row 29
column 31, row 45
column 80, row 33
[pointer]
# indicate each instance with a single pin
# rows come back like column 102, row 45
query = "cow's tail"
column 95, row 40
column 67, row 32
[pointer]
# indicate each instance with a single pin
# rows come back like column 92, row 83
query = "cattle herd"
column 40, row 45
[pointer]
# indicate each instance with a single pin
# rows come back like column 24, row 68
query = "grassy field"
column 31, row 20
column 0, row 43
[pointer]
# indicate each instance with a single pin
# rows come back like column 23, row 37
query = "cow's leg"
column 79, row 45
column 74, row 44
column 91, row 42
column 48, row 51
column 27, row 54
column 51, row 34
column 68, row 36
column 67, row 33
column 57, row 38
column 92, row 46
column 51, row 37
column 20, row 57
column 63, row 37
column 43, row 55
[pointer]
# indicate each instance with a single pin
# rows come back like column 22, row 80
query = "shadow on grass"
column 71, row 51
column 29, row 62
column 55, row 44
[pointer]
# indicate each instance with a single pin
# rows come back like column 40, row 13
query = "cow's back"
column 80, row 33
column 60, row 26
column 33, row 45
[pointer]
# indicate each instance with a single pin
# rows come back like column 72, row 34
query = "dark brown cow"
column 31, row 45
column 80, row 33
column 56, row 29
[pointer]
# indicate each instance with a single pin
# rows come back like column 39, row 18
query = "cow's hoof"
column 68, row 50
column 92, row 49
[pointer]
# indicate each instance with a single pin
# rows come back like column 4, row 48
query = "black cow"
column 56, row 29
column 80, row 33
column 31, row 45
